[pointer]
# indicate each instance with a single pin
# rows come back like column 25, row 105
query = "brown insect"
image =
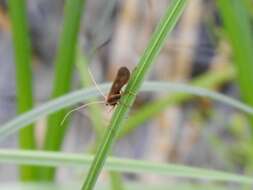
column 115, row 92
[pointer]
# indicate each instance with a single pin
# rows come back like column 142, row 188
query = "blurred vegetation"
column 210, row 47
column 22, row 48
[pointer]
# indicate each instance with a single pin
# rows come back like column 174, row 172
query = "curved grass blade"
column 89, row 93
column 54, row 159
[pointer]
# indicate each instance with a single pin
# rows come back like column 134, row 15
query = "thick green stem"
column 65, row 60
column 22, row 50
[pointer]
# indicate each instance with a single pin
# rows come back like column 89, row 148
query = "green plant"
column 95, row 112
column 55, row 159
column 238, row 29
column 236, row 17
column 137, row 77
column 89, row 93
column 22, row 50
column 65, row 60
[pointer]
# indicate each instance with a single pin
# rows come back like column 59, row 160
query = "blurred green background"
column 47, row 49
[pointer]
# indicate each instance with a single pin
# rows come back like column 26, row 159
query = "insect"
column 115, row 92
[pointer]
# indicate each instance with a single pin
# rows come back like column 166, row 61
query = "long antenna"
column 85, row 105
column 93, row 80
column 78, row 108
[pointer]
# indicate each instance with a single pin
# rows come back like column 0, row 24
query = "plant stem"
column 96, row 116
column 22, row 50
column 238, row 28
column 158, row 39
column 65, row 60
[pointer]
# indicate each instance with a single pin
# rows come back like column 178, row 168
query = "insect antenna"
column 78, row 108
column 88, row 104
column 94, row 82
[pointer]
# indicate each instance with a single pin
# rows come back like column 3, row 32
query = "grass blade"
column 238, row 28
column 84, row 95
column 65, row 60
column 95, row 112
column 158, row 39
column 56, row 159
column 22, row 49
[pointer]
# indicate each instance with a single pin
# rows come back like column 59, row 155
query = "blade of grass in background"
column 94, row 110
column 129, row 186
column 22, row 50
column 157, row 40
column 209, row 80
column 65, row 60
column 56, row 159
column 238, row 28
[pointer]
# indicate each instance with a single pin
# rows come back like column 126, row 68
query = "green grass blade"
column 158, row 39
column 129, row 186
column 56, row 159
column 116, row 181
column 95, row 113
column 239, row 31
column 22, row 50
column 89, row 93
column 238, row 28
column 65, row 60
column 48, row 108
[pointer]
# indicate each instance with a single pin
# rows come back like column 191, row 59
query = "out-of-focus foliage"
column 211, row 47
